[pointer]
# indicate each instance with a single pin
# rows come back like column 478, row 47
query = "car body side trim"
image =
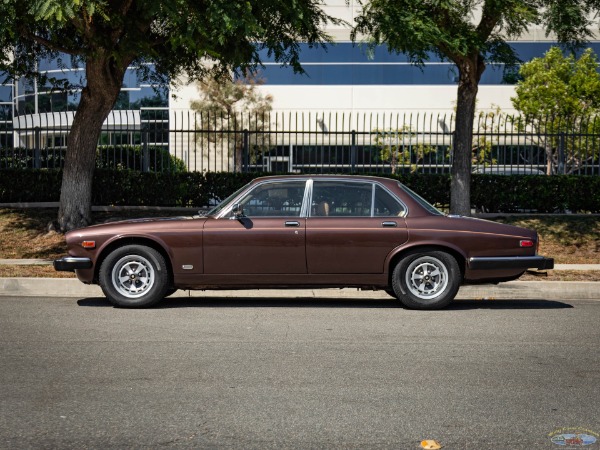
column 71, row 263
column 511, row 262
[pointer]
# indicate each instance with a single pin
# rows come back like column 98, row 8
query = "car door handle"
column 292, row 223
column 389, row 224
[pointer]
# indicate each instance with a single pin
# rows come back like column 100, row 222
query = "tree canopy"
column 559, row 96
column 176, row 36
column 228, row 106
column 559, row 85
column 471, row 34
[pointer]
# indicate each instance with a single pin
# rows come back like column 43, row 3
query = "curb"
column 513, row 290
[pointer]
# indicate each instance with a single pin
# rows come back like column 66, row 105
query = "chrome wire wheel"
column 133, row 276
column 427, row 277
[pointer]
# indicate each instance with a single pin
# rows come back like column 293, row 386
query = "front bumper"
column 511, row 262
column 71, row 263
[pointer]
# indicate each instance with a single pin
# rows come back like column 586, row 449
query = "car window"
column 274, row 199
column 341, row 198
column 424, row 203
column 386, row 205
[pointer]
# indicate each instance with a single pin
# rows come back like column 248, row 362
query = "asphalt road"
column 303, row 373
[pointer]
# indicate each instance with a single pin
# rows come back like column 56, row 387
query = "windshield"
column 225, row 203
column 421, row 201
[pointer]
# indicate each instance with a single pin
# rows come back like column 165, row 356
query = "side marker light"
column 526, row 243
column 88, row 244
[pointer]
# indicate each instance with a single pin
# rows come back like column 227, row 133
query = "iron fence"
column 159, row 139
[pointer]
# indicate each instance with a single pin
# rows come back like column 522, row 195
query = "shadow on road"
column 283, row 302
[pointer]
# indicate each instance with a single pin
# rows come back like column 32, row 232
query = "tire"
column 134, row 276
column 426, row 279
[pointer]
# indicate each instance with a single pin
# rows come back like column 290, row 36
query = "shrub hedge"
column 121, row 157
column 490, row 193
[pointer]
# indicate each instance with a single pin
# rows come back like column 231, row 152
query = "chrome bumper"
column 71, row 263
column 511, row 262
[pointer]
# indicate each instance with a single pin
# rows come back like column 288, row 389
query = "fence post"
column 353, row 151
column 561, row 153
column 145, row 152
column 246, row 152
column 37, row 139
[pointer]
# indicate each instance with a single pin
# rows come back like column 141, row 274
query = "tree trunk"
column 104, row 80
column 470, row 69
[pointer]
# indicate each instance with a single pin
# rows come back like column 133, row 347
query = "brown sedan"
column 304, row 232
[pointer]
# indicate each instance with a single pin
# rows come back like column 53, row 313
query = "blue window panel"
column 348, row 64
column 346, row 52
column 63, row 62
column 130, row 79
column 526, row 51
column 372, row 74
column 6, row 93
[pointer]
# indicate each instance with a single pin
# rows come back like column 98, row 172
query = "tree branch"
column 490, row 16
column 47, row 43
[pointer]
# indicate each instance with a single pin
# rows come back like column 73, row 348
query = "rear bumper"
column 71, row 263
column 511, row 262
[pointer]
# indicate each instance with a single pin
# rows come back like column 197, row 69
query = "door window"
column 386, row 205
column 342, row 198
column 353, row 199
column 274, row 199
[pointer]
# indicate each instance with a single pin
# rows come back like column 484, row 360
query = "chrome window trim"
column 366, row 180
column 226, row 213
column 305, row 211
column 399, row 200
column 307, row 201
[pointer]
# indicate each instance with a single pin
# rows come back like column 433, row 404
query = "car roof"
column 327, row 176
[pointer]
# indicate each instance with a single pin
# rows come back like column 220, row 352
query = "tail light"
column 526, row 243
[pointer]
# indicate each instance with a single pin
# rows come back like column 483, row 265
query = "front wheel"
column 426, row 279
column 134, row 276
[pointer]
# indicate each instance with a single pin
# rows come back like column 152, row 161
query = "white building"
column 345, row 79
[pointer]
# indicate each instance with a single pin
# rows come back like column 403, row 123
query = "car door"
column 353, row 226
column 268, row 238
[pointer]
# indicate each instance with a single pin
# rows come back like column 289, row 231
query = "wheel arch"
column 425, row 247
column 132, row 240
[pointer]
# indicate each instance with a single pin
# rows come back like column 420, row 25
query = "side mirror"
column 237, row 211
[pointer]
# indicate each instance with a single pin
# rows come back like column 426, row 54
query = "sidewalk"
column 525, row 290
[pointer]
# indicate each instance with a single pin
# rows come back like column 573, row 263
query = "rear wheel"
column 134, row 276
column 426, row 279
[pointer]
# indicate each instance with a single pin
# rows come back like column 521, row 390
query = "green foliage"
column 219, row 185
column 395, row 148
column 121, row 157
column 154, row 159
column 446, row 28
column 29, row 185
column 560, row 95
column 558, row 85
column 227, row 105
column 497, row 193
column 491, row 193
column 126, row 187
column 470, row 34
column 177, row 36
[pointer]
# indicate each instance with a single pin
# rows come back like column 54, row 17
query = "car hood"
column 136, row 225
